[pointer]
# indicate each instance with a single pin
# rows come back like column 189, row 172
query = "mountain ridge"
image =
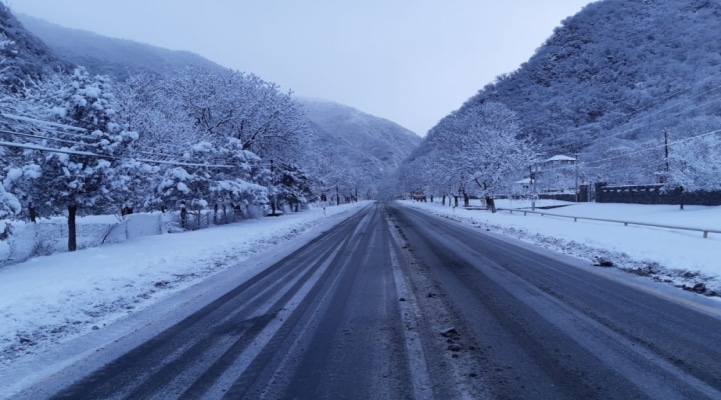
column 25, row 58
column 104, row 55
column 369, row 145
column 611, row 66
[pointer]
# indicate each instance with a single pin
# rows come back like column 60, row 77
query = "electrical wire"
column 656, row 147
column 619, row 131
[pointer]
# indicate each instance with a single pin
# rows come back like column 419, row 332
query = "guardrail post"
column 705, row 234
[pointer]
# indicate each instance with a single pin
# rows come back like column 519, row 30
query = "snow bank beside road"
column 47, row 300
column 682, row 258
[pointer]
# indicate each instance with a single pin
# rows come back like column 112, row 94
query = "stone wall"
column 654, row 194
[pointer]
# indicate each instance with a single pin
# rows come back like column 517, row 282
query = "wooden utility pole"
column 272, row 182
column 665, row 141
column 533, row 187
column 577, row 178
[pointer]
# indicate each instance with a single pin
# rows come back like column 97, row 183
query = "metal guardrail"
column 625, row 223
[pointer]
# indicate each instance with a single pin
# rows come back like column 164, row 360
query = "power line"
column 40, row 137
column 619, row 129
column 41, row 122
column 95, row 155
column 48, row 149
column 77, row 152
column 655, row 147
column 217, row 161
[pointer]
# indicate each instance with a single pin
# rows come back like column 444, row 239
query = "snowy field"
column 53, row 300
column 681, row 258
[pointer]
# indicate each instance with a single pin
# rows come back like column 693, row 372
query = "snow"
column 52, row 302
column 678, row 257
column 560, row 158
column 52, row 299
column 4, row 250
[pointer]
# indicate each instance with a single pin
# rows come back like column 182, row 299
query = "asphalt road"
column 396, row 304
column 542, row 328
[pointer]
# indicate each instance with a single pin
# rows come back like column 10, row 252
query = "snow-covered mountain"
column 368, row 146
column 23, row 57
column 632, row 87
column 374, row 145
column 619, row 71
column 109, row 56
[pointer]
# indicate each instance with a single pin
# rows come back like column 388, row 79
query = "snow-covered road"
column 48, row 301
column 677, row 257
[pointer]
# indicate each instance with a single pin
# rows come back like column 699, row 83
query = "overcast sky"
column 410, row 61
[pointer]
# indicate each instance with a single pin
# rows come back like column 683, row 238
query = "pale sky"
column 409, row 61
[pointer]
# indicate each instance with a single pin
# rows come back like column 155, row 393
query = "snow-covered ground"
column 681, row 258
column 53, row 300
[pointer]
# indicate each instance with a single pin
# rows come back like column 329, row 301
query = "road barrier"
column 625, row 223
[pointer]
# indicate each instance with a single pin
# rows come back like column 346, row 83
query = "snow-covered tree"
column 488, row 144
column 233, row 104
column 479, row 149
column 79, row 167
column 292, row 186
column 219, row 124
column 695, row 164
column 9, row 206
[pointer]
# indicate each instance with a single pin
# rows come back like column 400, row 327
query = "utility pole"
column 533, row 187
column 665, row 141
column 679, row 189
column 272, row 177
column 577, row 177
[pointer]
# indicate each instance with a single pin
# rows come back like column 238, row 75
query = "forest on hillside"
column 630, row 87
column 189, row 140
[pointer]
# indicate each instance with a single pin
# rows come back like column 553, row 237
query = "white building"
column 556, row 174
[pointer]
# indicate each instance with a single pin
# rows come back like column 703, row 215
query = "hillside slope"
column 23, row 58
column 619, row 72
column 103, row 55
column 366, row 147
column 372, row 146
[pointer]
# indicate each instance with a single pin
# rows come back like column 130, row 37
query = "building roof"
column 561, row 157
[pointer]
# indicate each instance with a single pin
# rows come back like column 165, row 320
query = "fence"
column 655, row 194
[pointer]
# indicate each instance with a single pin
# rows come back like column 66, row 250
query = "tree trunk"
column 183, row 217
column 72, row 233
column 466, row 199
column 455, row 201
column 443, row 200
column 680, row 196
column 490, row 204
